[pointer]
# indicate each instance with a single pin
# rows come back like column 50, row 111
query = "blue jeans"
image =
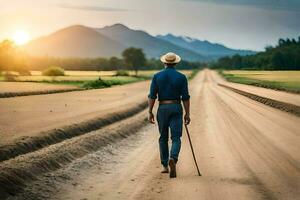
column 169, row 116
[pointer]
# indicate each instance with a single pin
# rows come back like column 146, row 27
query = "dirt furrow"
column 29, row 144
column 294, row 109
column 40, row 92
column 16, row 173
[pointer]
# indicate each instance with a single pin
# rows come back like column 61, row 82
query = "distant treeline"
column 113, row 63
column 13, row 58
column 284, row 56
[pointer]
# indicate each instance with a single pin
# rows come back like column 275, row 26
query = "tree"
column 288, row 41
column 13, row 58
column 237, row 61
column 281, row 42
column 277, row 60
column 7, row 51
column 134, row 58
column 115, row 63
column 268, row 48
column 225, row 62
column 284, row 56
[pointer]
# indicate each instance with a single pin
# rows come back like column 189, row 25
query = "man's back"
column 169, row 84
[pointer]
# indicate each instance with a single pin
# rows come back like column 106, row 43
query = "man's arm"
column 151, row 99
column 186, row 101
column 151, row 103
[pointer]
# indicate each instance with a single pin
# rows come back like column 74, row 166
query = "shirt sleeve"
column 185, row 90
column 153, row 89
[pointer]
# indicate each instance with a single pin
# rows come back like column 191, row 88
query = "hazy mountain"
column 152, row 46
column 205, row 48
column 75, row 41
column 82, row 41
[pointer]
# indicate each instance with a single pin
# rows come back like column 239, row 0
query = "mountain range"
column 83, row 41
column 206, row 48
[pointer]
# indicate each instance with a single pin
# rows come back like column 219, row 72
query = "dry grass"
column 86, row 75
column 81, row 73
column 281, row 80
column 279, row 76
column 6, row 87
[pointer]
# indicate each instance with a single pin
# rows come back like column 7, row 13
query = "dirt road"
column 245, row 150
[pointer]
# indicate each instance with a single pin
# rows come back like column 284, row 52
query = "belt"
column 169, row 102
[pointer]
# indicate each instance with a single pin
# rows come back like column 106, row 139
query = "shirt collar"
column 169, row 68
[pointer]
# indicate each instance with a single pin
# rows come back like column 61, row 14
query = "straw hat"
column 170, row 58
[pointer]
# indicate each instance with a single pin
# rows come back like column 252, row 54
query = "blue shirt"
column 169, row 84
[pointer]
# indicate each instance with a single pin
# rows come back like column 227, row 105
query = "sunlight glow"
column 21, row 37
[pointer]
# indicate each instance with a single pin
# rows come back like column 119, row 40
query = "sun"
column 21, row 37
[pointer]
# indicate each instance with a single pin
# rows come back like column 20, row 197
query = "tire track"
column 261, row 148
column 287, row 107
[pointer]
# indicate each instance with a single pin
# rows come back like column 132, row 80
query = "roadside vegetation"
column 111, row 81
column 122, row 73
column 94, row 79
column 279, row 80
column 284, row 56
column 54, row 71
column 10, row 76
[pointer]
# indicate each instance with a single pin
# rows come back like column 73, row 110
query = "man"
column 171, row 87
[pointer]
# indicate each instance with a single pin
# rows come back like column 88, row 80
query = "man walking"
column 171, row 87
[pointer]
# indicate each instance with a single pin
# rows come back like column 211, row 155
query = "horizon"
column 238, row 24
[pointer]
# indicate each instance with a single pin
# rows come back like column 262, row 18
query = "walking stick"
column 187, row 131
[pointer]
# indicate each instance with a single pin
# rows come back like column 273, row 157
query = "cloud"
column 284, row 5
column 92, row 8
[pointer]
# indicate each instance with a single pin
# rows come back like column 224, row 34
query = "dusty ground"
column 30, row 115
column 14, row 87
column 245, row 150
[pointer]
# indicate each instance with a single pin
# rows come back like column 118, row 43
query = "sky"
column 241, row 24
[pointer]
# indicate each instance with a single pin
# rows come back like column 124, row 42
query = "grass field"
column 88, row 75
column 279, row 80
column 92, row 79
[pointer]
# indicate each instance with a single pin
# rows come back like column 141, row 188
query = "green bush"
column 10, row 77
column 54, row 71
column 24, row 73
column 122, row 73
column 96, row 84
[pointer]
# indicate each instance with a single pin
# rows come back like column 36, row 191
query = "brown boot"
column 165, row 169
column 172, row 165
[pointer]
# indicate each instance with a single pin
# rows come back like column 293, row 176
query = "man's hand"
column 187, row 119
column 151, row 118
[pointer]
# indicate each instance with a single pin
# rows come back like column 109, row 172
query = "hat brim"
column 163, row 60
